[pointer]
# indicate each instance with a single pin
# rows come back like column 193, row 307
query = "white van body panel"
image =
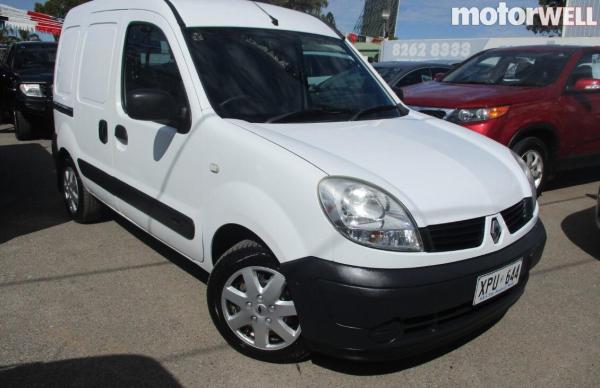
column 388, row 154
column 156, row 156
column 265, row 176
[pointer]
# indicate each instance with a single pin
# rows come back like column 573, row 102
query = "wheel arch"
column 60, row 157
column 230, row 234
column 545, row 132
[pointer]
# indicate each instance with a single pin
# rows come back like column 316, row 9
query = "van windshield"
column 261, row 75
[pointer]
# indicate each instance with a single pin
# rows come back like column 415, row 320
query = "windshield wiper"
column 306, row 114
column 376, row 109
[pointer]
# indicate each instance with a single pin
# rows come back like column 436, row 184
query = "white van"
column 258, row 143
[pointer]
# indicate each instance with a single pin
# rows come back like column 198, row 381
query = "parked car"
column 541, row 101
column 399, row 74
column 26, row 74
column 3, row 49
column 330, row 217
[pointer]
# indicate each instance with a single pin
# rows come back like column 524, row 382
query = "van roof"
column 210, row 13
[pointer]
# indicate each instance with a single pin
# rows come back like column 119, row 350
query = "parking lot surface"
column 106, row 305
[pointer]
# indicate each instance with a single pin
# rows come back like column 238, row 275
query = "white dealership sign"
column 460, row 49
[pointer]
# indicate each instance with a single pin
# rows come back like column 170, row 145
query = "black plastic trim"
column 169, row 217
column 178, row 17
column 369, row 313
column 63, row 109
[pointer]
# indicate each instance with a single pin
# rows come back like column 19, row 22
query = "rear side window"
column 149, row 64
column 66, row 61
column 98, row 50
column 588, row 67
column 415, row 77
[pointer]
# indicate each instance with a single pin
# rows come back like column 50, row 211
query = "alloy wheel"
column 258, row 308
column 71, row 189
column 535, row 162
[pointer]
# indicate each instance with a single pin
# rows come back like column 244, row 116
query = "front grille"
column 469, row 234
column 440, row 114
column 454, row 236
column 515, row 217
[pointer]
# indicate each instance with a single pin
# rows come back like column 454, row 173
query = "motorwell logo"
column 503, row 15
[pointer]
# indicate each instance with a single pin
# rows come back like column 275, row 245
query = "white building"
column 584, row 31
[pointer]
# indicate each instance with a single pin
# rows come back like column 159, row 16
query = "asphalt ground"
column 106, row 305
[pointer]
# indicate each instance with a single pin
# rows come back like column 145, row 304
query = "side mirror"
column 586, row 85
column 158, row 106
column 439, row 77
column 399, row 92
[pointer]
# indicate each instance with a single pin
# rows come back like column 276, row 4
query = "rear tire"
column 83, row 207
column 536, row 155
column 247, row 297
column 23, row 126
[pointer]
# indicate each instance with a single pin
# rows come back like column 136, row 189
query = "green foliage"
column 23, row 35
column 329, row 19
column 58, row 8
column 552, row 30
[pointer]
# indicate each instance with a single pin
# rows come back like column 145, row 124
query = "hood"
column 36, row 76
column 446, row 95
column 441, row 172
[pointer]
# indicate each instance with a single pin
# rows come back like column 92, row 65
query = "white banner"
column 457, row 50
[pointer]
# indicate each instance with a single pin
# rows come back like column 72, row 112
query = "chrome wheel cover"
column 535, row 162
column 258, row 308
column 71, row 189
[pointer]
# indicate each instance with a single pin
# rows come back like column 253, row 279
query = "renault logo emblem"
column 496, row 230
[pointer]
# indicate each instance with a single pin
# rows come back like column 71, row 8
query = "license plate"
column 497, row 282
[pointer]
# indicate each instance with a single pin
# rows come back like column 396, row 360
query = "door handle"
column 103, row 131
column 121, row 134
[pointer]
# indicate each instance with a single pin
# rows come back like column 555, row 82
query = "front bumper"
column 35, row 107
column 380, row 314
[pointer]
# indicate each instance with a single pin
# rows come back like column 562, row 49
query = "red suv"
column 541, row 101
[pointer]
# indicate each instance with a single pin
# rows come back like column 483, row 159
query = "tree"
column 23, row 35
column 329, row 19
column 58, row 8
column 552, row 30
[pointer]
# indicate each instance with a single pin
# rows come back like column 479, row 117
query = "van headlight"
column 369, row 216
column 31, row 90
column 527, row 173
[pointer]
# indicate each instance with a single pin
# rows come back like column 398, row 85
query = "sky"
column 22, row 4
column 431, row 18
column 417, row 18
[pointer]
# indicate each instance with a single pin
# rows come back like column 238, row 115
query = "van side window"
column 149, row 63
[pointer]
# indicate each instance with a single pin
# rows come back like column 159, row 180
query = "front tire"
column 536, row 155
column 251, row 306
column 23, row 126
column 83, row 207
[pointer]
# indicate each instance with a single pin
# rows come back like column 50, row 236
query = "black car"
column 3, row 49
column 400, row 74
column 26, row 74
